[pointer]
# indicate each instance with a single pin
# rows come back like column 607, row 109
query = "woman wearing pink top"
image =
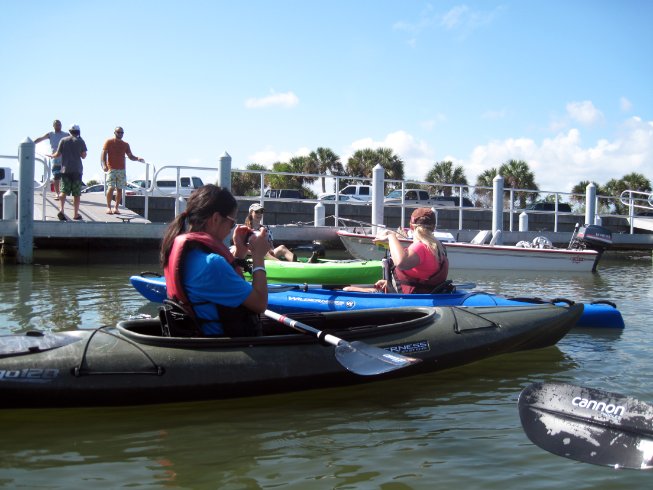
column 421, row 267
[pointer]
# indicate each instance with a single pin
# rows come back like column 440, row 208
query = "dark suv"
column 563, row 207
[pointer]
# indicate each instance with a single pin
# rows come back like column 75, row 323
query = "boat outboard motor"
column 594, row 237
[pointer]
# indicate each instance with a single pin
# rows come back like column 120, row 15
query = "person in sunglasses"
column 203, row 277
column 254, row 221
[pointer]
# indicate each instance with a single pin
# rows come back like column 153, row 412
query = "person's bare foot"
column 115, row 211
column 109, row 211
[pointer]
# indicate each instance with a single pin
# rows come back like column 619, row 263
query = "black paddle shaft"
column 588, row 424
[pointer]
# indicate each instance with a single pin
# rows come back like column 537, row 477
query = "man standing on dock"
column 113, row 163
column 71, row 150
column 54, row 137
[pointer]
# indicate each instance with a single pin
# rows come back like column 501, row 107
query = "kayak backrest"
column 175, row 322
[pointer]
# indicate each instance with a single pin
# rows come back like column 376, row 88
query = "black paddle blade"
column 588, row 425
column 368, row 360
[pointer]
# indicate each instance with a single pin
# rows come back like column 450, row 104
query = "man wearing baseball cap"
column 72, row 149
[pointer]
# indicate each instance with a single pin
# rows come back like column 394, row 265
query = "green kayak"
column 327, row 272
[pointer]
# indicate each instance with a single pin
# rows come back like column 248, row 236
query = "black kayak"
column 134, row 363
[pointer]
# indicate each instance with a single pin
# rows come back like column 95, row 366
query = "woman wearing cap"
column 421, row 267
column 253, row 220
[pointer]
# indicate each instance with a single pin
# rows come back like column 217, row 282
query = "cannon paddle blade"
column 588, row 425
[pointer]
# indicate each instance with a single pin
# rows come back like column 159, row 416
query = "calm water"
column 458, row 427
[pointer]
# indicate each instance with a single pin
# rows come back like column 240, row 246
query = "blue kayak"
column 284, row 298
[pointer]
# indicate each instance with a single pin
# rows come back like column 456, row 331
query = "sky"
column 566, row 86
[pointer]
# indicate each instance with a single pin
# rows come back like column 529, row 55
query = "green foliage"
column 91, row 182
column 325, row 162
column 613, row 188
column 247, row 184
column 518, row 175
column 362, row 163
column 446, row 173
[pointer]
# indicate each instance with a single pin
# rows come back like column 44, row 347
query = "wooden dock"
column 92, row 208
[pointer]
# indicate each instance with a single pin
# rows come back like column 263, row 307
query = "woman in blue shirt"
column 203, row 275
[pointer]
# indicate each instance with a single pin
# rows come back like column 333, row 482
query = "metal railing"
column 606, row 206
column 636, row 200
column 43, row 186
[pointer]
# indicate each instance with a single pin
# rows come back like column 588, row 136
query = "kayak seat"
column 175, row 322
column 444, row 287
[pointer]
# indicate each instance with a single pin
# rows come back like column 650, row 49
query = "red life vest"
column 236, row 322
column 412, row 285
column 181, row 245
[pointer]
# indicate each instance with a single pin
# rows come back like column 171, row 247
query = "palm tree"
column 325, row 162
column 518, row 175
column 636, row 182
column 247, row 184
column 391, row 163
column 581, row 189
column 633, row 181
column 362, row 163
column 485, row 179
column 446, row 173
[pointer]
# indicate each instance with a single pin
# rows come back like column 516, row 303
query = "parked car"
column 5, row 176
column 444, row 201
column 563, row 207
column 359, row 191
column 131, row 189
column 166, row 187
column 411, row 196
column 332, row 197
column 284, row 194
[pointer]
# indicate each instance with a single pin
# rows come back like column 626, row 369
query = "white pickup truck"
column 418, row 197
column 5, row 177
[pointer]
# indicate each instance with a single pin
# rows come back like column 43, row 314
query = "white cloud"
column 269, row 156
column 455, row 17
column 562, row 161
column 287, row 100
column 494, row 115
column 417, row 155
column 625, row 104
column 429, row 124
column 584, row 112
column 558, row 162
column 460, row 19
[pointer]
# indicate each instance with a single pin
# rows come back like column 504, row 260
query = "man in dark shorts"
column 72, row 150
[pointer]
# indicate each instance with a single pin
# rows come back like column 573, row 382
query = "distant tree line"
column 325, row 162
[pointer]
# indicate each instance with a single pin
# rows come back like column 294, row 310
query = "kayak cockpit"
column 348, row 325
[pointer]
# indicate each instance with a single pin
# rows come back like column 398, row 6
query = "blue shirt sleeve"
column 210, row 279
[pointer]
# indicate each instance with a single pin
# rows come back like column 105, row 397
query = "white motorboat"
column 478, row 255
